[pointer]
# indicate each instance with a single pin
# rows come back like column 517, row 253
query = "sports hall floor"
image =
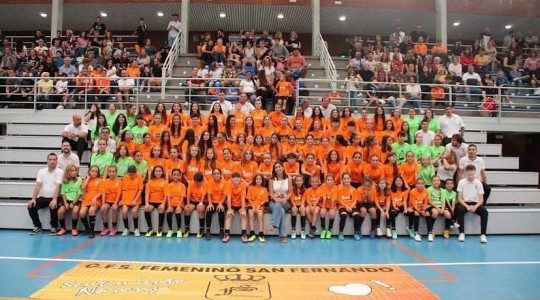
column 508, row 267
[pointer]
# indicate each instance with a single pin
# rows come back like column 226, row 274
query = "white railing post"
column 168, row 66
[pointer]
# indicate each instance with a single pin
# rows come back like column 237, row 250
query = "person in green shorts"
column 122, row 161
column 71, row 193
column 400, row 148
column 102, row 158
column 449, row 196
column 437, row 205
column 139, row 130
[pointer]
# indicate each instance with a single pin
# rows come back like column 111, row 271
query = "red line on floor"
column 35, row 272
column 447, row 276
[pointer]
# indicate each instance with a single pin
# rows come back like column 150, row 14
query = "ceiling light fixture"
column 342, row 18
column 103, row 14
column 222, row 15
column 456, row 24
column 160, row 14
column 338, row 2
column 43, row 15
column 508, row 26
column 280, row 16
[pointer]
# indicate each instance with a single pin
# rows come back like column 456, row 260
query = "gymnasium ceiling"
column 364, row 17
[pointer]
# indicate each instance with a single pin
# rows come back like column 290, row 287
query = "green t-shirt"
column 434, row 125
column 449, row 196
column 111, row 118
column 426, row 173
column 435, row 196
column 122, row 165
column 435, row 151
column 131, row 121
column 141, row 167
column 95, row 132
column 138, row 132
column 102, row 161
column 400, row 151
column 419, row 151
column 71, row 189
column 414, row 125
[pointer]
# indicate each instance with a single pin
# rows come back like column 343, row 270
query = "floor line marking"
column 76, row 260
column 35, row 272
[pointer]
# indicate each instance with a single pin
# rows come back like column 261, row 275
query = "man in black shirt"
column 98, row 26
column 418, row 33
column 366, row 73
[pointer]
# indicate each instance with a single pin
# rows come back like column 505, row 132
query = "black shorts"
column 343, row 211
column 235, row 208
column 367, row 206
column 400, row 209
column 154, row 204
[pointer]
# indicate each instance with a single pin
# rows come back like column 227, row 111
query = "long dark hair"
column 213, row 129
column 274, row 174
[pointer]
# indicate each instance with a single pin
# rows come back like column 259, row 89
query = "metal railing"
column 321, row 50
column 168, row 66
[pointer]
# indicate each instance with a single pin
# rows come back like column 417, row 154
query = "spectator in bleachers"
column 125, row 87
column 143, row 59
column 265, row 37
column 326, row 107
column 247, row 36
column 13, row 88
column 279, row 51
column 67, row 157
column 196, row 84
column 61, row 91
column 84, row 86
column 82, row 44
column 150, row 49
column 226, row 105
column 297, row 64
column 355, row 63
column 417, row 34
column 67, row 68
column 41, row 46
column 248, row 54
column 293, row 42
column 76, row 133
column 406, row 45
column 535, row 78
column 466, row 59
column 413, row 93
column 140, row 32
column 249, row 86
column 45, row 194
column 45, row 88
column 471, row 83
column 98, row 27
column 174, row 28
column 482, row 61
column 531, row 40
column 9, row 61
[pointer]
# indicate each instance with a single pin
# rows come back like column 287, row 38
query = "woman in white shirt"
column 279, row 186
column 248, row 86
column 413, row 93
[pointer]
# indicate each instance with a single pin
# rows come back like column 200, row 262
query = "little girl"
column 257, row 197
column 383, row 206
column 437, row 206
column 366, row 195
column 155, row 199
column 71, row 194
column 91, row 200
column 399, row 194
column 329, row 196
column 426, row 170
column 312, row 200
column 418, row 202
column 111, row 188
column 449, row 197
column 175, row 193
column 297, row 207
column 346, row 199
column 132, row 187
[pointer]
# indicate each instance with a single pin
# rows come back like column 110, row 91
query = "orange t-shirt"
column 329, row 195
column 296, row 199
column 217, row 190
column 287, row 148
column 175, row 193
column 131, row 186
column 346, row 196
column 238, row 194
column 229, row 167
column 275, row 117
column 383, row 200
column 409, row 171
column 195, row 193
column 132, row 146
column 335, row 169
column 146, row 149
column 266, row 133
column 155, row 131
column 344, row 121
column 399, row 198
column 398, row 121
column 312, row 197
column 366, row 197
column 173, row 164
column 248, row 171
column 258, row 151
column 356, row 171
column 291, row 169
column 192, row 168
column 374, row 172
column 258, row 117
column 155, row 190
column 314, row 170
column 284, row 89
column 110, row 189
column 258, row 195
column 419, row 200
column 92, row 190
column 389, row 172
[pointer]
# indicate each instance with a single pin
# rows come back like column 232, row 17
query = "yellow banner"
column 132, row 281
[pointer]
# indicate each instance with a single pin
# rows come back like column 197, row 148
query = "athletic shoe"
column 53, row 232
column 328, row 234
column 112, row 232
column 372, row 234
column 388, row 233
column 483, row 239
column 62, row 231
column 417, row 237
column 411, row 233
column 311, row 233
column 341, row 237
column 358, row 236
column 262, row 239
column 104, row 232
column 159, row 234
column 244, row 238
column 252, row 238
column 379, row 232
column 207, row 235
column 303, row 234
column 149, row 233
column 199, row 235
column 446, row 234
column 225, row 238
column 323, row 234
column 394, row 234
column 430, row 237
column 293, row 234
column 461, row 237
column 91, row 234
column 36, row 230
column 456, row 225
column 283, row 240
column 179, row 234
column 125, row 232
column 186, row 234
column 452, row 227
column 74, row 232
column 136, row 232
column 221, row 233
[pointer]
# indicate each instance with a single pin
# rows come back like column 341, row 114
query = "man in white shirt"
column 75, row 133
column 427, row 135
column 67, row 157
column 45, row 194
column 174, row 29
column 471, row 199
column 105, row 134
column 471, row 81
column 451, row 124
column 480, row 172
column 327, row 107
column 247, row 107
column 226, row 105
column 458, row 146
column 125, row 86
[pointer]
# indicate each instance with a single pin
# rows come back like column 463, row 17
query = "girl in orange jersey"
column 196, row 198
column 299, row 116
column 297, row 207
column 236, row 204
column 248, row 166
column 283, row 129
column 165, row 144
column 249, row 126
column 333, row 166
column 175, row 196
column 396, row 119
column 316, row 129
column 371, row 147
column 374, row 170
column 230, row 128
column 328, row 205
column 284, row 90
column 256, row 199
column 126, row 139
column 157, row 128
column 323, row 150
column 111, row 189
column 218, row 193
column 290, row 147
column 155, row 199
column 173, row 163
column 238, row 146
column 187, row 141
column 299, row 132
column 346, row 202
column 275, row 147
column 267, row 129
column 205, row 142
column 162, row 111
column 176, row 130
column 155, row 159
column 312, row 200
column 192, row 164
column 91, row 200
column 309, row 147
column 317, row 115
column 389, row 129
column 258, row 114
column 266, row 166
column 391, row 168
column 146, row 146
column 132, row 187
column 212, row 126
column 259, row 148
column 382, row 205
column 417, row 208
column 400, row 195
column 366, row 196
column 346, row 117
column 386, row 147
column 355, row 169
column 195, row 110
column 227, row 165
column 292, row 167
column 379, row 118
column 409, row 169
column 355, row 146
column 239, row 115
column 217, row 112
column 276, row 115
column 309, row 168
column 176, row 110
column 210, row 163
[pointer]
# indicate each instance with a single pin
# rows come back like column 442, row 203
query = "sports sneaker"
column 62, row 231
column 311, row 233
column 179, row 234
column 303, row 234
column 149, row 233
column 483, row 239
column 341, row 237
column 186, row 234
column 417, row 237
column 357, row 235
column 394, row 234
column 159, row 234
column 388, row 233
column 372, row 234
column 136, row 232
column 430, row 237
column 74, row 232
column 125, row 232
column 379, row 232
column 456, row 225
column 112, row 232
column 323, row 234
column 36, row 230
column 199, row 235
column 452, row 227
column 262, row 239
column 244, row 238
column 225, row 238
column 293, row 234
column 283, row 239
column 104, row 231
column 446, row 234
column 411, row 233
column 328, row 234
column 252, row 238
column 207, row 235
column 461, row 237
column 53, row 232
column 91, row 234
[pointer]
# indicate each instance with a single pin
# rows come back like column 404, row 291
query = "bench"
column 27, row 171
column 31, row 156
column 35, row 129
column 43, row 142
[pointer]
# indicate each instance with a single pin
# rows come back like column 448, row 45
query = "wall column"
column 316, row 26
column 57, row 17
column 184, row 18
column 442, row 20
